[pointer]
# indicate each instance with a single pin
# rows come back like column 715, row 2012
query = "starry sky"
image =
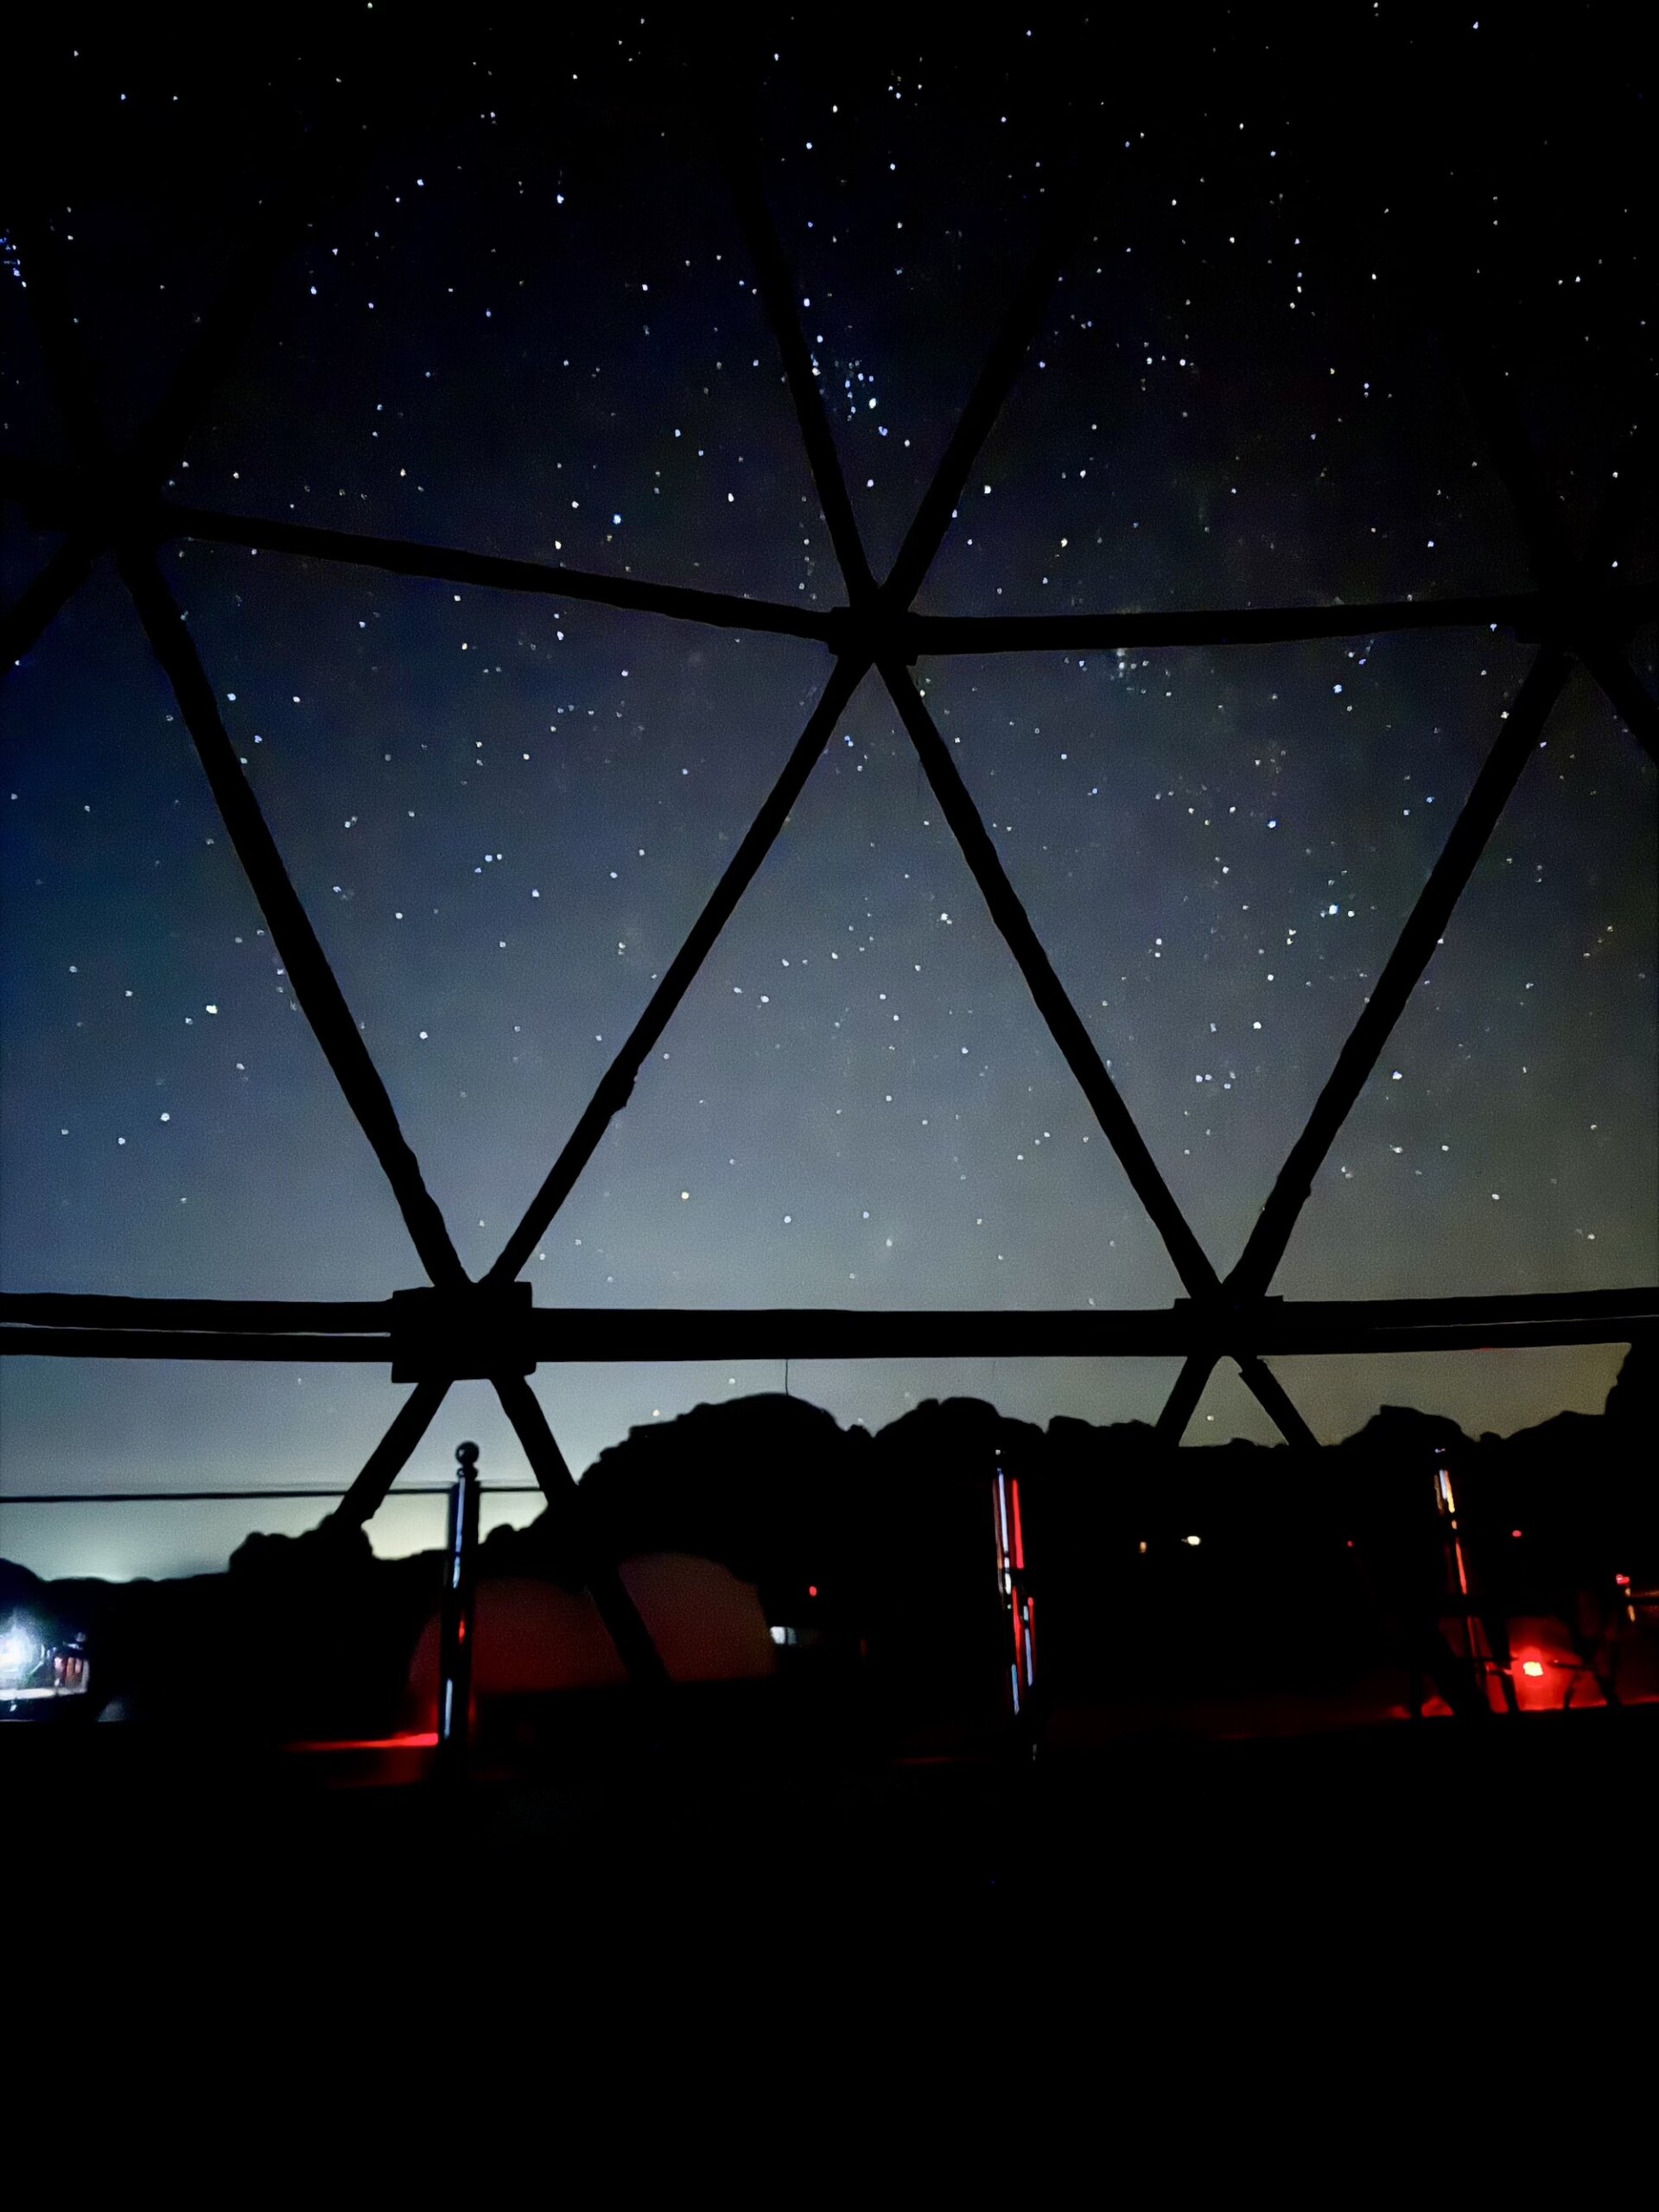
column 529, row 325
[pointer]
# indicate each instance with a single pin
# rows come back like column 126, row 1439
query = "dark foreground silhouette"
column 761, row 1539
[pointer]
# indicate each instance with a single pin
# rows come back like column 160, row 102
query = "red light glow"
column 811, row 1589
column 421, row 1739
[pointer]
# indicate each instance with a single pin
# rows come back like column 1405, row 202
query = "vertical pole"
column 455, row 1630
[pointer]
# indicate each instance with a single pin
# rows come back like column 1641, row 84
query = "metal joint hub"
column 461, row 1336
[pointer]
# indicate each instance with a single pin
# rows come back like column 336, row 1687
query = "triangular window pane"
column 597, row 387
column 503, row 816
column 860, row 1099
column 170, row 1125
column 1508, row 1139
column 1227, row 1410
column 1218, row 850
column 1224, row 409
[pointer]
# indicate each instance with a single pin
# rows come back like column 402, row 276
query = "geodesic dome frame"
column 455, row 1328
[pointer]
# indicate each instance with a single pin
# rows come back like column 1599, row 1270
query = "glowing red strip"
column 422, row 1740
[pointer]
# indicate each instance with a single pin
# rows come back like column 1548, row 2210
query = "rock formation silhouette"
column 876, row 1552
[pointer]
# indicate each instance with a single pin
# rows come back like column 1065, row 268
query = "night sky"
column 530, row 326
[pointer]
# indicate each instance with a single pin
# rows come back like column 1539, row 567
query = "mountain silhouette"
column 877, row 1552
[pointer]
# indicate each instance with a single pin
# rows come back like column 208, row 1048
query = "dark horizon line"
column 335, row 1490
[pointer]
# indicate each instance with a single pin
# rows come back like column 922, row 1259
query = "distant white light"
column 19, row 1651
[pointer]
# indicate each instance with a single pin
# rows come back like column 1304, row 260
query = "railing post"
column 455, row 1618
